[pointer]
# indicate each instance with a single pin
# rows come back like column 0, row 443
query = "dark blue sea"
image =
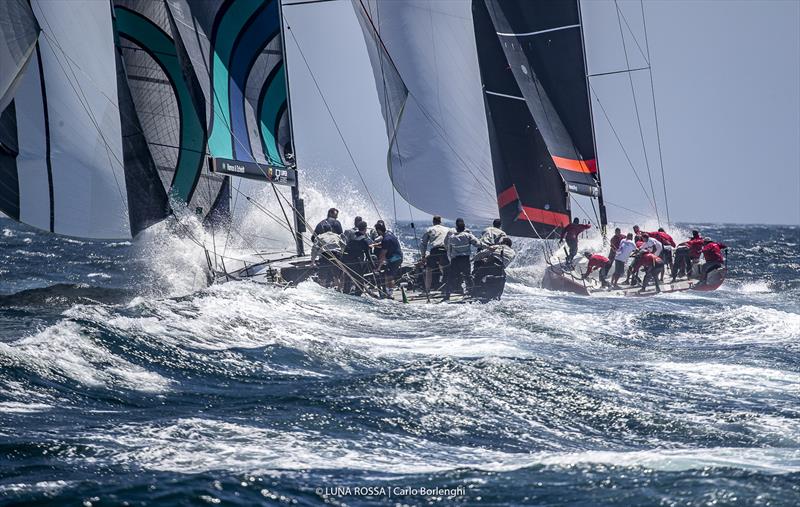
column 125, row 381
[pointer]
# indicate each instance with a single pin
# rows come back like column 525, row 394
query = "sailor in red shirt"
column 712, row 253
column 695, row 248
column 668, row 244
column 653, row 267
column 597, row 261
column 570, row 233
column 637, row 233
column 614, row 243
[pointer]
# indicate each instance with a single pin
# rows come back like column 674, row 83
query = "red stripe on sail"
column 507, row 196
column 579, row 166
column 543, row 216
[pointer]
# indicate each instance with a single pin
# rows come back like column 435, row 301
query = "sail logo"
column 234, row 168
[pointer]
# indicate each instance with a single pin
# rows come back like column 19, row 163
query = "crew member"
column 666, row 253
column 712, row 253
column 570, row 233
column 332, row 221
column 437, row 258
column 356, row 258
column 637, row 234
column 390, row 257
column 493, row 235
column 682, row 264
column 597, row 261
column 653, row 266
column 328, row 247
column 695, row 245
column 626, row 248
column 501, row 254
column 458, row 243
column 651, row 244
column 488, row 269
column 614, row 243
column 349, row 233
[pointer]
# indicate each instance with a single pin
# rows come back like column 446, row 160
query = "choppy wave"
column 133, row 388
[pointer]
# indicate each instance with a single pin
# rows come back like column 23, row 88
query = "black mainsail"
column 539, row 44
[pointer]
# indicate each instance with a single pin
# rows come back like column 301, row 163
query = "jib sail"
column 426, row 71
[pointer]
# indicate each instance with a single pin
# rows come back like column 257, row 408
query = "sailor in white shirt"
column 437, row 258
column 626, row 248
column 651, row 245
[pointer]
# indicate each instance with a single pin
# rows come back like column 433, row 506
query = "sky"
column 726, row 82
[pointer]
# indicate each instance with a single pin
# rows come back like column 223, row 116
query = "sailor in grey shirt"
column 493, row 235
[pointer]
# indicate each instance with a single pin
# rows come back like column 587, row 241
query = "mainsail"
column 18, row 33
column 542, row 44
column 236, row 54
column 531, row 194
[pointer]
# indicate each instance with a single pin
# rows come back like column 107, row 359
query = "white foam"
column 23, row 408
column 196, row 445
column 65, row 351
column 733, row 376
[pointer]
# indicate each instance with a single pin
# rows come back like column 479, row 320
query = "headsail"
column 68, row 174
column 426, row 69
column 18, row 33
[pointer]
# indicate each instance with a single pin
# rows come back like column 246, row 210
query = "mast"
column 298, row 208
column 600, row 203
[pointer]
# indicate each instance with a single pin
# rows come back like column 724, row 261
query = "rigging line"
column 391, row 115
column 614, row 72
column 622, row 147
column 655, row 116
column 627, row 209
column 636, row 109
column 335, row 123
column 620, row 13
column 235, row 200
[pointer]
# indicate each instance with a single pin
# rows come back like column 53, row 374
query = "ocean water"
column 125, row 381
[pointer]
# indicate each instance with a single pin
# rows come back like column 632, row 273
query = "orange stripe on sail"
column 579, row 166
column 543, row 216
column 507, row 196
